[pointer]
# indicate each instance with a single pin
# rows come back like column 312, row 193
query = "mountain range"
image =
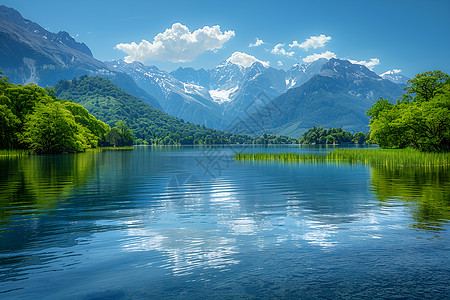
column 327, row 93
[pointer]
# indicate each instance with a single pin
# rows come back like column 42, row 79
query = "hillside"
column 110, row 104
column 31, row 54
column 338, row 96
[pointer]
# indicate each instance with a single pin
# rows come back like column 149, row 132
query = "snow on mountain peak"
column 245, row 60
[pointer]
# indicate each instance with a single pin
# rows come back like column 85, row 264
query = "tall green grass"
column 112, row 148
column 14, row 153
column 381, row 157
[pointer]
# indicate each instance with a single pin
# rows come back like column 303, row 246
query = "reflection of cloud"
column 244, row 226
column 320, row 234
column 186, row 249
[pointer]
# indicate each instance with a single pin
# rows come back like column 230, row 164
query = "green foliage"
column 426, row 86
column 120, row 135
column 373, row 157
column 33, row 118
column 421, row 122
column 109, row 103
column 319, row 135
column 52, row 129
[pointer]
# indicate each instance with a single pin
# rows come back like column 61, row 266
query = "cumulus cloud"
column 280, row 51
column 177, row 44
column 369, row 64
column 391, row 72
column 313, row 42
column 245, row 60
column 316, row 56
column 257, row 43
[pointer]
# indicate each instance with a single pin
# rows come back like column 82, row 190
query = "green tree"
column 422, row 121
column 52, row 129
column 8, row 128
column 359, row 138
column 426, row 86
column 120, row 135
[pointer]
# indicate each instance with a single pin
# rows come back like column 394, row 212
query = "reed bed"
column 14, row 153
column 381, row 157
column 115, row 148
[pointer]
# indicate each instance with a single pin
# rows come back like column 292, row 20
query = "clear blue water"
column 191, row 223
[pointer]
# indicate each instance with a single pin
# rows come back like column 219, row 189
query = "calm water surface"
column 189, row 222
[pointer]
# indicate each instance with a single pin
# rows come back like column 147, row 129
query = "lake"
column 190, row 222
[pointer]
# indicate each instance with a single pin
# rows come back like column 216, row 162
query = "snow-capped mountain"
column 31, row 54
column 301, row 73
column 395, row 76
column 190, row 75
column 188, row 101
column 338, row 96
column 259, row 85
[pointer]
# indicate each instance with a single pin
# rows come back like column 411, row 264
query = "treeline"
column 319, row 135
column 110, row 104
column 33, row 118
column 421, row 119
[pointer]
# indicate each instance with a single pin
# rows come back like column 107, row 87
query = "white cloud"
column 245, row 60
column 313, row 42
column 391, row 72
column 257, row 43
column 280, row 63
column 280, row 51
column 369, row 64
column 177, row 44
column 316, row 56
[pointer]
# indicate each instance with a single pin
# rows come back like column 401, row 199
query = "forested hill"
column 110, row 104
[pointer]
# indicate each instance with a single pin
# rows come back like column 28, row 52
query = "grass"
column 381, row 157
column 115, row 148
column 19, row 152
column 14, row 153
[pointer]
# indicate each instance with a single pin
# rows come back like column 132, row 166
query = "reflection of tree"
column 36, row 183
column 426, row 190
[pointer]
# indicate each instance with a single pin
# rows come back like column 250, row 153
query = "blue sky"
column 409, row 35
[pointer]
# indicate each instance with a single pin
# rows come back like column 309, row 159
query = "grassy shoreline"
column 21, row 152
column 382, row 157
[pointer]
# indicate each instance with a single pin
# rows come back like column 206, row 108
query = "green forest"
column 32, row 118
column 149, row 125
column 421, row 119
column 35, row 119
column 319, row 135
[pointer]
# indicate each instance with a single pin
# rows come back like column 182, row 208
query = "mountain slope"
column 62, row 37
column 31, row 54
column 395, row 77
column 336, row 97
column 187, row 101
column 110, row 104
column 301, row 73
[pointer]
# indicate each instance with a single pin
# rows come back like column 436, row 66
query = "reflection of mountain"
column 425, row 190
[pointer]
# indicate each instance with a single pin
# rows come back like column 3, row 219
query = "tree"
column 8, row 128
column 426, row 86
column 359, row 138
column 120, row 135
column 52, row 129
column 422, row 121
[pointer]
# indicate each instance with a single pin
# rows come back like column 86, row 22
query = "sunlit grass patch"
column 390, row 157
column 14, row 153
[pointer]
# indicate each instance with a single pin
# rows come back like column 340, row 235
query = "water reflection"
column 153, row 212
column 425, row 192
